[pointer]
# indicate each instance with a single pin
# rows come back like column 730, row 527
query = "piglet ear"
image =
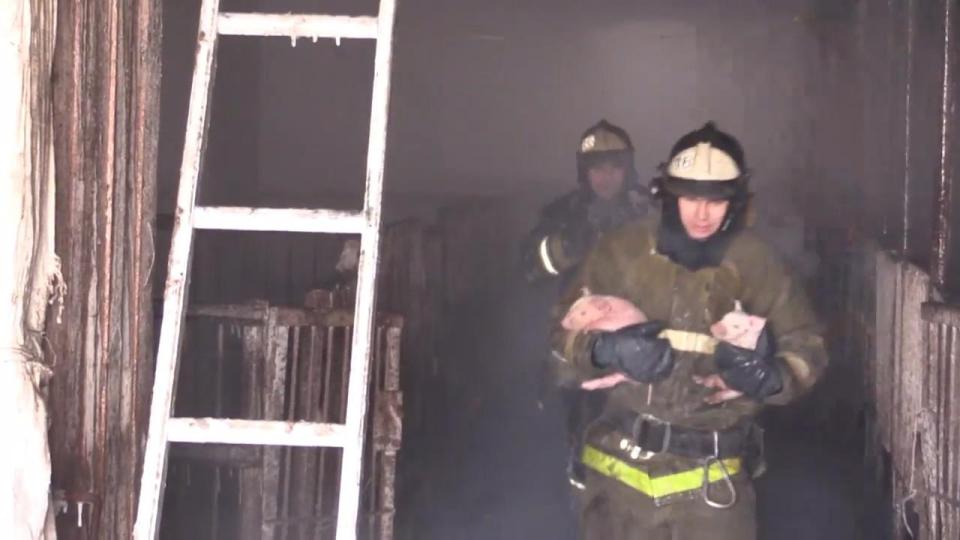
column 737, row 306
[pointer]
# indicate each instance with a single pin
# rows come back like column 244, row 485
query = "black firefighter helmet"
column 605, row 142
column 706, row 163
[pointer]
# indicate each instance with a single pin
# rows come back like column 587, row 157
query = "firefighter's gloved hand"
column 755, row 373
column 635, row 351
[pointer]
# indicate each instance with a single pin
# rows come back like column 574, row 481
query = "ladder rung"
column 259, row 432
column 307, row 26
column 237, row 218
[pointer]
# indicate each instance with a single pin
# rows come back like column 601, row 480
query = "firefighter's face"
column 606, row 179
column 702, row 217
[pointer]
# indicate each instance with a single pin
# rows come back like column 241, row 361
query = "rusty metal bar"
column 110, row 211
column 376, row 394
column 328, row 374
column 952, row 423
column 910, row 21
column 320, row 521
column 325, row 403
column 306, row 466
column 295, row 455
column 928, row 471
column 233, row 456
column 321, row 408
column 386, row 508
column 218, row 411
column 219, row 381
column 251, row 493
column 950, row 409
column 942, row 225
column 255, row 314
column 345, row 373
column 275, row 367
column 941, row 313
column 885, row 345
column 942, row 385
column 912, row 369
column 934, row 436
column 391, row 428
column 291, row 416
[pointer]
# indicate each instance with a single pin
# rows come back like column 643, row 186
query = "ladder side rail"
column 150, row 501
column 351, row 463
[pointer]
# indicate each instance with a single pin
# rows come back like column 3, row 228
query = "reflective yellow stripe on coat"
column 654, row 487
column 694, row 342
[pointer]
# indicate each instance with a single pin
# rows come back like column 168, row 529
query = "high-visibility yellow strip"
column 659, row 486
column 799, row 366
column 695, row 342
column 545, row 257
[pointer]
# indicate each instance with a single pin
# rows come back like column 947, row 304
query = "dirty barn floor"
column 498, row 470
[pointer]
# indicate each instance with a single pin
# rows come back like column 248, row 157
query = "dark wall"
column 901, row 64
column 490, row 99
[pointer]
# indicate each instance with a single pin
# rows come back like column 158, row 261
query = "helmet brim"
column 713, row 190
column 622, row 158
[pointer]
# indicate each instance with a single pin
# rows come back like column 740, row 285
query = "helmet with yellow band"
column 605, row 142
column 706, row 163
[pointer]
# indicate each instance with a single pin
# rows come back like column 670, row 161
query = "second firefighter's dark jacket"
column 569, row 226
column 625, row 263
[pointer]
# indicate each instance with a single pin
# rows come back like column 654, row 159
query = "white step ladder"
column 349, row 436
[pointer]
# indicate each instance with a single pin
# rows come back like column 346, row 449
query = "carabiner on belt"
column 705, row 488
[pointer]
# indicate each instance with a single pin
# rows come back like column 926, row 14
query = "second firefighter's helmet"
column 605, row 142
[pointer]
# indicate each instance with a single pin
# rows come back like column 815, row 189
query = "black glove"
column 635, row 351
column 755, row 373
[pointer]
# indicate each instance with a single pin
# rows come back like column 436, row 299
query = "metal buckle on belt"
column 638, row 433
column 705, row 488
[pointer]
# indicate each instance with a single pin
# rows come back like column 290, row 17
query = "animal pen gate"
column 277, row 363
column 913, row 380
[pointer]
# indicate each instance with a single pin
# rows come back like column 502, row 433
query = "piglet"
column 737, row 328
column 603, row 313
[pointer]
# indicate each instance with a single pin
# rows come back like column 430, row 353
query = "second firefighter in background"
column 607, row 196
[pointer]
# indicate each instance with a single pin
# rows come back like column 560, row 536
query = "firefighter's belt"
column 657, row 487
column 694, row 342
column 654, row 435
